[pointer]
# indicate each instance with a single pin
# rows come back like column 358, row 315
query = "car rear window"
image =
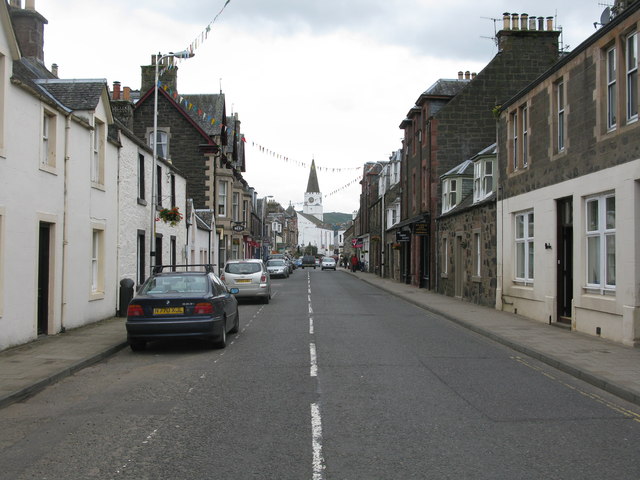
column 175, row 285
column 275, row 262
column 243, row 268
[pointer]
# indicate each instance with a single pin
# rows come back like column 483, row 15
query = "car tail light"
column 135, row 311
column 203, row 308
column 263, row 278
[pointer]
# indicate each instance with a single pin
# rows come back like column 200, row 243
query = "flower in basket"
column 170, row 215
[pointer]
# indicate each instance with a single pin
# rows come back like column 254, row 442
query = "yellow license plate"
column 243, row 281
column 168, row 311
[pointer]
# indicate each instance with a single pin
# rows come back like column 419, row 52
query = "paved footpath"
column 27, row 369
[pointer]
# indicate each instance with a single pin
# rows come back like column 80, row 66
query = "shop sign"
column 421, row 228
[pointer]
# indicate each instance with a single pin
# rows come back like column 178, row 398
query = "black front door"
column 43, row 278
column 565, row 259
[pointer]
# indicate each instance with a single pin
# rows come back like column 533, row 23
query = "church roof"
column 312, row 184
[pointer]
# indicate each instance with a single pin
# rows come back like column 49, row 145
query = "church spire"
column 312, row 184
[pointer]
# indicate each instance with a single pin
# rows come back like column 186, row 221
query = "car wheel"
column 222, row 341
column 266, row 299
column 236, row 325
column 138, row 345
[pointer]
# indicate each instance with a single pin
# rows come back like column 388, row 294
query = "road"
column 334, row 379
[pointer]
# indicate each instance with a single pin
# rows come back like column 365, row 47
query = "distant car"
column 328, row 263
column 298, row 262
column 250, row 277
column 285, row 257
column 308, row 261
column 278, row 267
column 188, row 304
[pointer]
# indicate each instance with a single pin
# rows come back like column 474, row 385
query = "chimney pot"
column 54, row 69
column 541, row 23
column 126, row 93
column 30, row 5
column 473, row 75
column 460, row 75
column 514, row 21
column 532, row 23
column 467, row 75
column 506, row 20
column 524, row 21
column 550, row 23
column 116, row 90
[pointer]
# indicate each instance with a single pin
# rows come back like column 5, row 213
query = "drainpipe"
column 65, row 228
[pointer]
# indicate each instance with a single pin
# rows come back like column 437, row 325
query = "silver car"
column 250, row 277
column 278, row 267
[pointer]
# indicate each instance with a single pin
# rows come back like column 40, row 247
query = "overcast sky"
column 324, row 79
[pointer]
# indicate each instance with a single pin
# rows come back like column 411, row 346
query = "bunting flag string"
column 203, row 115
column 197, row 42
column 299, row 163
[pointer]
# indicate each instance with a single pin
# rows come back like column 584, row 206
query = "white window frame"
column 235, row 206
column 631, row 65
column 482, row 175
column 612, row 91
column 97, row 159
column 162, row 143
column 48, row 153
column 449, row 194
column 524, row 247
column 222, row 198
column 445, row 255
column 524, row 113
column 515, row 145
column 142, row 183
column 600, row 237
column 2, row 256
column 97, row 260
column 477, row 254
column 561, row 100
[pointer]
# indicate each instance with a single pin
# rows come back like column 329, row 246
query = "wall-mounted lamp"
column 547, row 246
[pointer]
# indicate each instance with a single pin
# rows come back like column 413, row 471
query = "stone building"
column 568, row 213
column 453, row 120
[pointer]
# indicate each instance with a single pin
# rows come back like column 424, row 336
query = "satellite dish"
column 605, row 17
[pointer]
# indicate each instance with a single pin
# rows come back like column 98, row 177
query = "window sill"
column 476, row 279
column 48, row 168
column 98, row 186
column 142, row 201
column 444, row 275
column 96, row 296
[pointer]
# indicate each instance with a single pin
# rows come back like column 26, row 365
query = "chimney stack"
column 116, row 91
column 28, row 26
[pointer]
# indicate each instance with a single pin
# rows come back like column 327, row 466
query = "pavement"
column 615, row 368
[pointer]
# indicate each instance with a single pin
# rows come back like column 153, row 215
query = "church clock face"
column 311, row 199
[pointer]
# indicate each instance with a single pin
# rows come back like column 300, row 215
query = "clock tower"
column 313, row 197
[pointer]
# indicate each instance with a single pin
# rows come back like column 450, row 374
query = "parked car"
column 297, row 262
column 328, row 263
column 278, row 267
column 285, row 257
column 308, row 261
column 184, row 304
column 250, row 277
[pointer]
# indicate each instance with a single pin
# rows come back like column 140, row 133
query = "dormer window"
column 482, row 179
column 449, row 194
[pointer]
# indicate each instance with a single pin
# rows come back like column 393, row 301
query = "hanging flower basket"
column 170, row 215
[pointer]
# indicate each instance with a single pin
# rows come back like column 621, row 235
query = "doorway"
column 565, row 259
column 44, row 268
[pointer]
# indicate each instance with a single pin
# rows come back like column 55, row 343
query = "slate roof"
column 312, row 184
column 75, row 94
column 465, row 168
column 446, row 87
column 212, row 104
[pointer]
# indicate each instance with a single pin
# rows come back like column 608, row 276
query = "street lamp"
column 264, row 226
column 184, row 54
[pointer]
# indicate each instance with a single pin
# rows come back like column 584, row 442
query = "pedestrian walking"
column 354, row 262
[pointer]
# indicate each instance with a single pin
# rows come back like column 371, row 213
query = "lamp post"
column 184, row 54
column 264, row 226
